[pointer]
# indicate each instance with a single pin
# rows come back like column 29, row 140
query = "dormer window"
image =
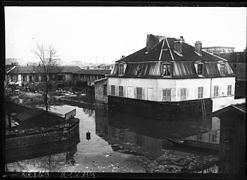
column 166, row 70
column 121, row 69
column 199, row 69
column 222, row 68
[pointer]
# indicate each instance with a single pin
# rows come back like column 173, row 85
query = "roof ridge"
column 169, row 49
column 161, row 49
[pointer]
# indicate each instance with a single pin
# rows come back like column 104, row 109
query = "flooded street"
column 120, row 143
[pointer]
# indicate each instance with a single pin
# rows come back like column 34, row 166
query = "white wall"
column 175, row 85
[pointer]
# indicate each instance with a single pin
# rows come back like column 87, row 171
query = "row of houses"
column 23, row 75
column 170, row 70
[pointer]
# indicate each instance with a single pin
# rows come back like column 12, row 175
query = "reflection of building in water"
column 128, row 133
column 89, row 112
column 232, row 139
column 213, row 136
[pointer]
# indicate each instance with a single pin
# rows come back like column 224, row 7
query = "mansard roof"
column 147, row 62
column 164, row 51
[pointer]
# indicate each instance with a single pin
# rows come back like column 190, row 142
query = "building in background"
column 24, row 75
column 219, row 49
column 237, row 61
column 88, row 76
column 172, row 75
column 12, row 61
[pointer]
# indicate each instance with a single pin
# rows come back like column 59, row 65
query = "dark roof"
column 238, row 108
column 27, row 115
column 40, row 69
column 93, row 71
column 147, row 61
column 9, row 67
column 234, row 56
column 31, row 117
column 168, row 53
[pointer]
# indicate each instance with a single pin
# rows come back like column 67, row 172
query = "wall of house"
column 99, row 92
column 156, row 87
column 223, row 99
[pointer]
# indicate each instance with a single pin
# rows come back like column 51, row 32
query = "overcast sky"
column 104, row 34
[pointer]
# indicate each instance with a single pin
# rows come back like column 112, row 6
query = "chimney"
column 198, row 47
column 178, row 45
column 181, row 39
column 152, row 41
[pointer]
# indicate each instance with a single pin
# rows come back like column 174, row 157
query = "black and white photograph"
column 148, row 91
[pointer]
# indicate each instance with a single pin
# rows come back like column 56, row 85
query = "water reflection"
column 148, row 136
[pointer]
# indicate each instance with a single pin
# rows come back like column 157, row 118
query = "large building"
column 173, row 74
column 237, row 61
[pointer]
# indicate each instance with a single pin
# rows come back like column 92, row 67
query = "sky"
column 104, row 34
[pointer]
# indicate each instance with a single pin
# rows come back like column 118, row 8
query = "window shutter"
column 187, row 92
column 219, row 90
column 143, row 93
column 116, row 90
column 179, row 92
column 196, row 92
column 123, row 91
column 135, row 96
column 173, row 94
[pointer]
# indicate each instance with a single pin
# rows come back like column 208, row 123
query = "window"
column 36, row 78
column 112, row 90
column 199, row 69
column 24, row 78
column 121, row 69
column 200, row 92
column 214, row 137
column 166, row 94
column 229, row 90
column 105, row 90
column 166, row 70
column 30, row 78
column 216, row 91
column 183, row 92
column 121, row 91
column 222, row 68
column 199, row 137
column 139, row 93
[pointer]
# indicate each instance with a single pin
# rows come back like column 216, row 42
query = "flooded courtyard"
column 124, row 143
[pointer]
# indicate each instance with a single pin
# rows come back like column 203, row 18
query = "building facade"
column 89, row 75
column 24, row 75
column 168, row 70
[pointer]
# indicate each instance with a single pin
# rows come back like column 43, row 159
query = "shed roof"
column 238, row 108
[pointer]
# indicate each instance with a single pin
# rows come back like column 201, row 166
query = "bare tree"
column 49, row 62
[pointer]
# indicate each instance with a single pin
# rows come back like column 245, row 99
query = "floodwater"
column 124, row 143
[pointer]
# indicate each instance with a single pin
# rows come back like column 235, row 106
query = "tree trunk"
column 46, row 94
